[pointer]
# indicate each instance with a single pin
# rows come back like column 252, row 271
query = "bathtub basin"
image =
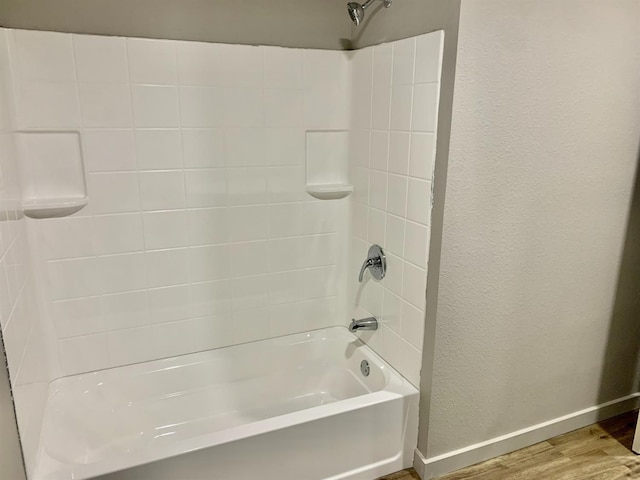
column 291, row 407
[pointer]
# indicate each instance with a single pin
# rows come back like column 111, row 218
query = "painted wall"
column 199, row 232
column 291, row 23
column 538, row 304
column 394, row 123
column 23, row 332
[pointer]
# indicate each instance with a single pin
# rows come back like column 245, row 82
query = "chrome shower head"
column 356, row 10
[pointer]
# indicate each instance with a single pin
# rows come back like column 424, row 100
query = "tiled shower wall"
column 199, row 232
column 394, row 116
column 22, row 330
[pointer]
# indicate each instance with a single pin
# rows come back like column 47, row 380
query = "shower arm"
column 365, row 5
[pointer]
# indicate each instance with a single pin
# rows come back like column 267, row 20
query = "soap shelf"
column 53, row 208
column 330, row 191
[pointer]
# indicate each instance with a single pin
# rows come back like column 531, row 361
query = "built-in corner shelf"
column 330, row 191
column 53, row 208
column 327, row 159
column 52, row 173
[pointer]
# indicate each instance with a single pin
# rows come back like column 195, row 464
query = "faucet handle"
column 376, row 261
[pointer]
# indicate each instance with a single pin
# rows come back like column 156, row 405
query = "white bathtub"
column 291, row 407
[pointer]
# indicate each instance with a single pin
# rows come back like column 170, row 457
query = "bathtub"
column 291, row 407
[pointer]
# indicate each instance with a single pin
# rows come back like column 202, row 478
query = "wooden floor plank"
column 597, row 452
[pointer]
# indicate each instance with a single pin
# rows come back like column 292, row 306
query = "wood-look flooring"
column 597, row 452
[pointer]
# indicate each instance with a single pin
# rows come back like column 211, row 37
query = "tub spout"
column 365, row 324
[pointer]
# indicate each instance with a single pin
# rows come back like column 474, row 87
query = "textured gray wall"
column 292, row 23
column 538, row 302
column 11, row 465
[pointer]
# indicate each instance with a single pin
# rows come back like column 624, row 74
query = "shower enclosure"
column 183, row 225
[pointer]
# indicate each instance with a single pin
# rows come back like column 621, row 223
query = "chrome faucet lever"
column 376, row 262
column 365, row 324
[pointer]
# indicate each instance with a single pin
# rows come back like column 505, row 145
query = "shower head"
column 356, row 10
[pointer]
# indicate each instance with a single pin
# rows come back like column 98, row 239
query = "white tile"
column 423, row 152
column 158, row 149
column 105, row 105
column 414, row 285
column 76, row 317
column 202, row 106
column 381, row 106
column 425, row 107
column 247, row 186
column 361, row 106
column 66, row 238
column 244, row 147
column 324, row 69
column 204, row 147
column 360, row 221
column 283, row 107
column 282, row 67
column 250, row 292
column 44, row 55
column 206, row 187
column 167, row 267
column 419, row 201
column 379, row 150
column 394, row 236
column 243, row 65
column 124, row 310
column 390, row 346
column 326, row 109
column 360, row 178
column 412, row 325
column 117, row 233
column 50, row 105
column 209, row 263
column 373, row 299
column 249, row 258
column 121, row 273
column 399, row 152
column 378, row 190
column 113, row 192
column 401, row 107
column 416, row 244
column 211, row 298
column 162, row 190
column 285, row 254
column 165, row 229
column 287, row 287
column 100, row 59
column 243, row 107
column 83, row 354
column 155, row 106
column 392, row 311
column 200, row 63
column 397, row 195
column 152, row 62
column 321, row 282
column 428, row 53
column 208, row 226
column 251, row 325
column 130, row 346
column 376, row 233
column 194, row 335
column 359, row 147
column 284, row 146
column 109, row 150
column 403, row 61
column 72, row 278
column 393, row 279
column 287, row 220
column 286, row 184
column 249, row 223
column 168, row 304
column 409, row 362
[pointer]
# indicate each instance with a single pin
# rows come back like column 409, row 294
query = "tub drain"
column 364, row 368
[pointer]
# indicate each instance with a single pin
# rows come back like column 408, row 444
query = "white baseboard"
column 429, row 468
